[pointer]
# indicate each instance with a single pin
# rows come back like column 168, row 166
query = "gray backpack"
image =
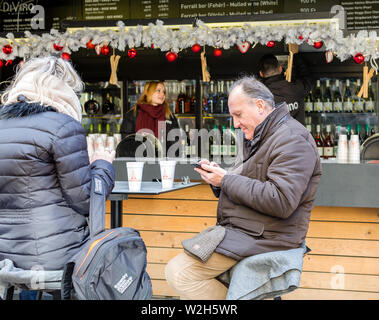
column 111, row 265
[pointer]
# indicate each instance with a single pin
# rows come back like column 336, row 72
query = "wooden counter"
column 342, row 240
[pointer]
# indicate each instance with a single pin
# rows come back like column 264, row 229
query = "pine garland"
column 168, row 39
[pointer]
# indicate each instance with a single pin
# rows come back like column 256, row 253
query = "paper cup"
column 117, row 137
column 342, row 153
column 110, row 143
column 99, row 144
column 90, row 146
column 135, row 170
column 167, row 173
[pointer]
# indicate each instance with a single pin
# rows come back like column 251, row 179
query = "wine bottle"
column 358, row 101
column 360, row 136
column 99, row 129
column 188, row 141
column 91, row 128
column 223, row 146
column 232, row 147
column 327, row 98
column 221, row 101
column 328, row 145
column 347, row 99
column 317, row 98
column 214, row 144
column 366, row 134
column 180, row 102
column 187, row 99
column 337, row 98
column 212, row 99
column 348, row 131
column 335, row 139
column 205, row 96
column 193, row 100
column 308, row 103
column 319, row 142
column 370, row 101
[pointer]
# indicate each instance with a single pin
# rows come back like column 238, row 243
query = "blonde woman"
column 45, row 172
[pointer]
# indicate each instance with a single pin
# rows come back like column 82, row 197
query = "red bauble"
column 90, row 45
column 359, row 58
column 57, row 47
column 318, row 44
column 152, row 46
column 217, row 52
column 105, row 50
column 171, row 56
column 132, row 53
column 7, row 49
column 66, row 56
column 196, row 48
column 301, row 37
column 270, row 44
column 1, row 63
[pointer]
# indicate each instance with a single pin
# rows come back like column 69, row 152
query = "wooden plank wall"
column 343, row 263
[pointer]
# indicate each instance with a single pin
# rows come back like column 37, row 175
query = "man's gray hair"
column 254, row 89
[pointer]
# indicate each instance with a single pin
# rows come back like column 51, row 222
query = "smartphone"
column 197, row 165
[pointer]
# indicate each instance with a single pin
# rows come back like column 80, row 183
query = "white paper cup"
column 104, row 137
column 354, row 149
column 90, row 146
column 342, row 153
column 117, row 137
column 167, row 173
column 135, row 170
column 99, row 144
column 110, row 143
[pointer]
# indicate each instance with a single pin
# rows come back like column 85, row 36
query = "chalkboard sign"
column 19, row 16
column 16, row 15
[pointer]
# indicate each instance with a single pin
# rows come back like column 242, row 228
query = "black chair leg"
column 10, row 292
column 39, row 295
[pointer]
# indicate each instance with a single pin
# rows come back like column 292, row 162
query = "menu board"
column 361, row 14
column 268, row 7
column 154, row 9
column 105, row 9
column 16, row 15
column 187, row 8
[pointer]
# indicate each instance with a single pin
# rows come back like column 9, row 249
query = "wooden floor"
column 343, row 263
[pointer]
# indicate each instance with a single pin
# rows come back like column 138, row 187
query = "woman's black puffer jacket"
column 45, row 182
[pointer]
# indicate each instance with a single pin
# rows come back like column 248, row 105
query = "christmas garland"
column 165, row 38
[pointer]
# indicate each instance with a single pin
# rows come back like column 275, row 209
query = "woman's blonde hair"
column 47, row 80
column 145, row 98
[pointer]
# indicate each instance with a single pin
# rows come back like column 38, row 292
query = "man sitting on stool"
column 265, row 198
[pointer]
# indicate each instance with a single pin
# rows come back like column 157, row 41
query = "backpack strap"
column 97, row 207
column 67, row 288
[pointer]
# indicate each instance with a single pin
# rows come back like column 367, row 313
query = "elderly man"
column 265, row 198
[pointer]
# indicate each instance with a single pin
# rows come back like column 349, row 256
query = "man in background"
column 294, row 92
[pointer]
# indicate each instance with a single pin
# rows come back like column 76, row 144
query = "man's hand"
column 212, row 173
